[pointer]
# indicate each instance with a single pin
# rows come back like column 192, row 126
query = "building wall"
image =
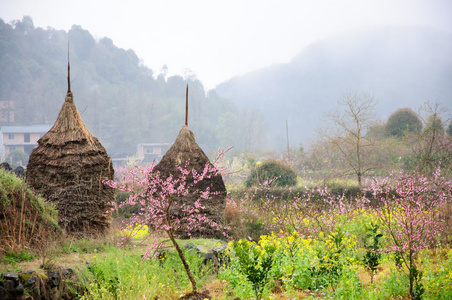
column 142, row 150
column 23, row 138
column 152, row 151
column 34, row 137
column 18, row 138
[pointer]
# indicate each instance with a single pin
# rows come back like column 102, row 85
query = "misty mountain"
column 400, row 67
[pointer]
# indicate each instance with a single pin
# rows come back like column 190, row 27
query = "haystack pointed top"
column 66, row 169
column 69, row 126
column 69, row 97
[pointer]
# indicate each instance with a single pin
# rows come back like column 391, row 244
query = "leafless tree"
column 432, row 145
column 346, row 131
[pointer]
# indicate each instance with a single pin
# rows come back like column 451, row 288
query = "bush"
column 401, row 122
column 272, row 173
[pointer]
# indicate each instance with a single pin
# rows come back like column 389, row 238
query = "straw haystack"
column 185, row 149
column 66, row 169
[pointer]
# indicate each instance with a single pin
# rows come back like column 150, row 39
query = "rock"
column 12, row 288
column 67, row 272
column 221, row 256
column 32, row 280
column 3, row 293
column 8, row 286
column 211, row 262
column 40, row 284
column 209, row 257
column 192, row 247
column 11, row 276
column 19, row 171
column 5, row 166
column 54, row 278
column 218, row 249
column 25, row 276
column 20, row 289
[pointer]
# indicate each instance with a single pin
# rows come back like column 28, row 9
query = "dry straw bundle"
column 186, row 150
column 66, row 169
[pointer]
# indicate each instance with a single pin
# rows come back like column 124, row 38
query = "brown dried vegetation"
column 66, row 169
column 186, row 150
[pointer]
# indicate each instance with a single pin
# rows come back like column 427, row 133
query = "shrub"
column 272, row 173
column 401, row 122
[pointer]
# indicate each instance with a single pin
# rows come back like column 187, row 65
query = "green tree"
column 403, row 121
column 272, row 173
column 81, row 40
column 449, row 129
column 17, row 157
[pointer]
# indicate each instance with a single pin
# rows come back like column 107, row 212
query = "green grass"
column 23, row 255
column 122, row 274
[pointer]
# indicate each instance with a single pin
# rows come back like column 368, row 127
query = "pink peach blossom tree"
column 159, row 199
column 408, row 208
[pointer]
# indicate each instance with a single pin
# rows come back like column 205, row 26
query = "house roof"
column 26, row 129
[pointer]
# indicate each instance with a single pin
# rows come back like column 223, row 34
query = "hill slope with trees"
column 121, row 101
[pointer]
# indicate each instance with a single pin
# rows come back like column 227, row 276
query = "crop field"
column 390, row 242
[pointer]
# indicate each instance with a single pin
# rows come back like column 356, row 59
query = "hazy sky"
column 220, row 39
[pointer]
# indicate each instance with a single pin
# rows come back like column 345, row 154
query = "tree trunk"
column 184, row 261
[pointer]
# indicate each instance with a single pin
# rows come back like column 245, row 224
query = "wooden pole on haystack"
column 67, row 167
column 184, row 150
column 68, row 70
column 186, row 106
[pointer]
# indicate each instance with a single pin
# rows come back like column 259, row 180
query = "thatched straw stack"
column 185, row 149
column 66, row 168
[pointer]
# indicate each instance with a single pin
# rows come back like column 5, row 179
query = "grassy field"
column 282, row 245
column 329, row 266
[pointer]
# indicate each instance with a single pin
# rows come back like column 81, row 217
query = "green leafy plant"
column 255, row 263
column 329, row 265
column 418, row 289
column 371, row 259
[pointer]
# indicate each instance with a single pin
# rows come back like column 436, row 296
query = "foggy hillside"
column 400, row 67
column 120, row 100
column 124, row 103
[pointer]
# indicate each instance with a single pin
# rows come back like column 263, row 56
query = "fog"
column 219, row 40
column 399, row 66
column 252, row 66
